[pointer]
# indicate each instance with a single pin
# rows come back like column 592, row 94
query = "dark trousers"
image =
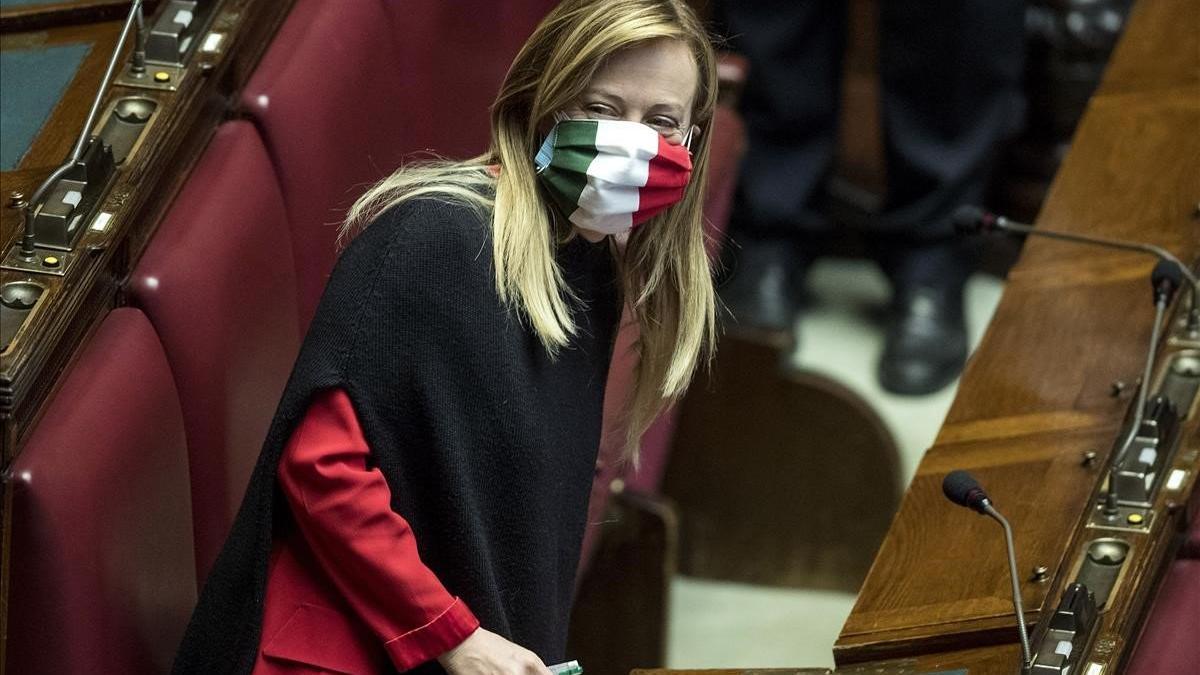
column 950, row 73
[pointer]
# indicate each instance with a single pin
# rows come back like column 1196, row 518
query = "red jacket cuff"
column 435, row 638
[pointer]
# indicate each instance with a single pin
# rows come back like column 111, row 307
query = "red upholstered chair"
column 330, row 98
column 218, row 285
column 347, row 89
column 1169, row 644
column 1191, row 546
column 103, row 574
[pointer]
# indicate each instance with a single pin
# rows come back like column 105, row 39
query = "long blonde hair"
column 664, row 270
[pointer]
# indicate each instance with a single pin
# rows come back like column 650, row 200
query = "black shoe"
column 764, row 291
column 926, row 340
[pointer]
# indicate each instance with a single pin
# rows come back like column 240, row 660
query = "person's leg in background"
column 951, row 75
column 790, row 106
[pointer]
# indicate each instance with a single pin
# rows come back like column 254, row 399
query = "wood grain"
column 61, row 129
column 782, row 478
column 1037, row 394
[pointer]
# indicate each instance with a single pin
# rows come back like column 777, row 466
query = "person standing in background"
column 950, row 73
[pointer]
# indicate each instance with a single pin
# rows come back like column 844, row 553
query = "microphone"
column 28, row 241
column 1164, row 281
column 961, row 488
column 974, row 220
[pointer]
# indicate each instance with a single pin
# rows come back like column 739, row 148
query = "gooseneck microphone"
column 974, row 220
column 961, row 488
column 29, row 235
column 1164, row 281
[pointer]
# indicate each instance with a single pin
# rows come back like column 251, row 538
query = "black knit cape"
column 487, row 443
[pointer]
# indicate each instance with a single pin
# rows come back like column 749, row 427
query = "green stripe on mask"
column 574, row 150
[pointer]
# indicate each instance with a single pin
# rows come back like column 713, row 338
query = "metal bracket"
column 1127, row 519
column 157, row 76
column 45, row 262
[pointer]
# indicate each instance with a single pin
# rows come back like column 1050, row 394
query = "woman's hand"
column 485, row 653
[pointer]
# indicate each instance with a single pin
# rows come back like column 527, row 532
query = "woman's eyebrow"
column 676, row 108
column 604, row 93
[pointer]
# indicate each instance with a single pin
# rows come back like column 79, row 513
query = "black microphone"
column 974, row 220
column 1164, row 280
column 961, row 488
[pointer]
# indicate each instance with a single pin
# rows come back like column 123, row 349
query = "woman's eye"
column 600, row 110
column 663, row 123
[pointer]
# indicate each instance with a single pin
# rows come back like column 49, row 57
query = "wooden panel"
column 614, row 632
column 1133, row 172
column 1037, row 394
column 807, row 474
column 1164, row 56
column 1044, row 354
column 940, row 563
column 47, row 14
column 60, row 130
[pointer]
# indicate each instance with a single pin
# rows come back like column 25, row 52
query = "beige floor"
column 718, row 624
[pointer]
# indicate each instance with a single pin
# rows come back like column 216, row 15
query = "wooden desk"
column 1037, row 395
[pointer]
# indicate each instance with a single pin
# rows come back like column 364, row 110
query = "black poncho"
column 488, row 444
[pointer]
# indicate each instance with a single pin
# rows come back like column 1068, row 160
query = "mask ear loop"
column 542, row 159
column 687, row 138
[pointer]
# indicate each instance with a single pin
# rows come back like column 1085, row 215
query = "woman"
column 449, row 392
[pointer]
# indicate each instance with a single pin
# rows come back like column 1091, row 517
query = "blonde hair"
column 664, row 272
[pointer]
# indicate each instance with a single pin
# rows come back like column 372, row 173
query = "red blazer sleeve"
column 343, row 509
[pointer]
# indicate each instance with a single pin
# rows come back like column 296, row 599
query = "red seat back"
column 103, row 573
column 1168, row 644
column 218, row 285
column 348, row 89
column 329, row 97
column 450, row 96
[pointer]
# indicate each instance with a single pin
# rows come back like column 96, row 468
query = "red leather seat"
column 1169, row 645
column 217, row 283
column 103, row 573
column 1191, row 545
column 330, row 97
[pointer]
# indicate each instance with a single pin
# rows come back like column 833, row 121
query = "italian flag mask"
column 610, row 176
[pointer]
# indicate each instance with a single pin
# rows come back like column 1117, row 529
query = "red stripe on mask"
column 668, row 176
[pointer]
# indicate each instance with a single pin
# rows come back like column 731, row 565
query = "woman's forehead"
column 662, row 72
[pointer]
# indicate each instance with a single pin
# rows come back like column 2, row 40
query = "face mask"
column 610, row 176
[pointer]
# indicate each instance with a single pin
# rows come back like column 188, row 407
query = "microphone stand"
column 1192, row 328
column 1026, row 652
column 29, row 236
column 1111, row 507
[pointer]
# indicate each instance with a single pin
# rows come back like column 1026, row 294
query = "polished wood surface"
column 27, row 17
column 1038, row 395
column 60, row 131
